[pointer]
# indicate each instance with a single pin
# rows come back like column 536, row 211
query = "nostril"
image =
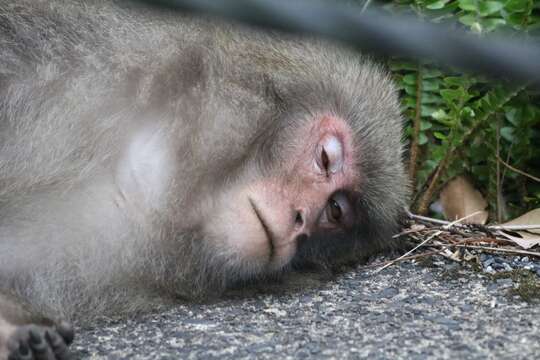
column 299, row 220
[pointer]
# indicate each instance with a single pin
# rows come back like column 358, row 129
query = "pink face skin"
column 260, row 224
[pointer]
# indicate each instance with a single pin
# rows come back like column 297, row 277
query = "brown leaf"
column 529, row 238
column 459, row 199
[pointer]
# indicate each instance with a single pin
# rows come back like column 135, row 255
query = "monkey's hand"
column 35, row 342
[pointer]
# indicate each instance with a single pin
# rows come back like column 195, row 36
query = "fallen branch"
column 487, row 248
column 435, row 234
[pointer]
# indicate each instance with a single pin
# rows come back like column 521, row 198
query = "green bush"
column 465, row 124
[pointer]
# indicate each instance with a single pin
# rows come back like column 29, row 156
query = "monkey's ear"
column 181, row 79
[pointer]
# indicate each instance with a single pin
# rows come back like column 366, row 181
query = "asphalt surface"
column 437, row 309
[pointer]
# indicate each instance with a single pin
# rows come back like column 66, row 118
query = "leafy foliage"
column 464, row 124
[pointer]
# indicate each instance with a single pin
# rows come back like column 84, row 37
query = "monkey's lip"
column 266, row 228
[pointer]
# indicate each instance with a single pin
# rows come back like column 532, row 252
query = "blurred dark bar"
column 511, row 58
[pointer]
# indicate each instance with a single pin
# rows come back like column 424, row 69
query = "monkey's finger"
column 23, row 352
column 58, row 346
column 66, row 331
column 40, row 348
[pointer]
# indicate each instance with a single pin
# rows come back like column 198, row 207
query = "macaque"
column 147, row 156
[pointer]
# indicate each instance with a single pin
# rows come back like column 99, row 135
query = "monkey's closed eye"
column 330, row 155
column 325, row 161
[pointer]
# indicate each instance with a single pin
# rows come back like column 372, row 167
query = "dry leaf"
column 459, row 199
column 527, row 239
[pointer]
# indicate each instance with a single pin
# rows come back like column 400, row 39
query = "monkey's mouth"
column 266, row 228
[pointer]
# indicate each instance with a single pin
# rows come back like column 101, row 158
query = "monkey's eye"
column 338, row 209
column 330, row 155
column 333, row 211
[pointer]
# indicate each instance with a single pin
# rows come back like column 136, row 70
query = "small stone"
column 505, row 282
column 389, row 293
column 525, row 259
column 488, row 262
column 507, row 267
column 453, row 324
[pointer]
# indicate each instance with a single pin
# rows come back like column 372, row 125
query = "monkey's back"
column 64, row 65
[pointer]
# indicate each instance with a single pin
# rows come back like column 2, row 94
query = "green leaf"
column 491, row 24
column 410, row 90
column 438, row 4
column 422, row 139
column 456, row 81
column 430, row 85
column 469, row 5
column 431, row 73
column 431, row 98
column 439, row 135
column 440, row 115
column 425, row 125
column 450, row 95
column 468, row 20
column 409, row 102
column 428, row 110
column 507, row 133
column 516, row 20
column 408, row 131
column 486, row 8
column 516, row 5
column 512, row 116
column 476, row 27
column 467, row 112
column 409, row 79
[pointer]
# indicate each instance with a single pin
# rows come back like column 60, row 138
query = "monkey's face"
column 260, row 221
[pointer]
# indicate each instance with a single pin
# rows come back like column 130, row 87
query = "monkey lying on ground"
column 147, row 156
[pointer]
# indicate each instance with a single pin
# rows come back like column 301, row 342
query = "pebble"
column 507, row 267
column 492, row 264
column 388, row 293
column 488, row 262
column 506, row 282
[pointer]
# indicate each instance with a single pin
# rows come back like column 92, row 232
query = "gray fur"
column 77, row 77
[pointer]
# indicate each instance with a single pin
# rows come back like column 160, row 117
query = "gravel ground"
column 431, row 309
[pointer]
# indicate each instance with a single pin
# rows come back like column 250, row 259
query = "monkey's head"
column 305, row 163
column 323, row 180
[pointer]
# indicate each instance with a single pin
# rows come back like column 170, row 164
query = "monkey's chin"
column 246, row 265
column 271, row 261
column 281, row 256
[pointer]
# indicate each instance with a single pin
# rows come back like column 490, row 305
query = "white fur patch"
column 145, row 169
